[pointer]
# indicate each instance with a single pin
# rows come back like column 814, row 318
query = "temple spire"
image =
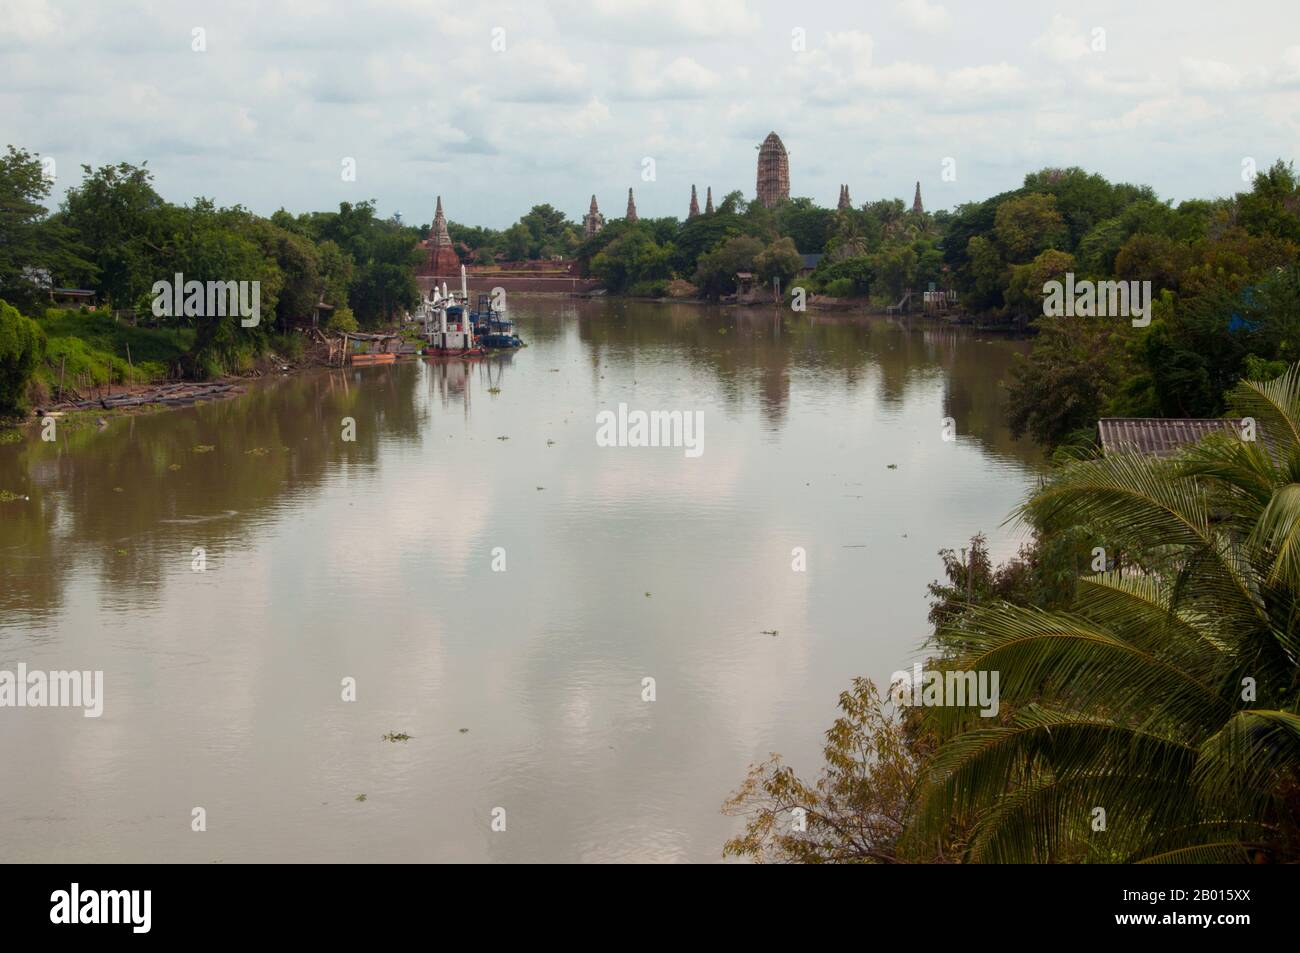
column 593, row 222
column 916, row 202
column 631, row 207
column 441, row 256
column 845, row 201
column 438, row 232
column 708, row 202
column 695, row 204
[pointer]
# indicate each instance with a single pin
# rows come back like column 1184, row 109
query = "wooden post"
column 63, row 361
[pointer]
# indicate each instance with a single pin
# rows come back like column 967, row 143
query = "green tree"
column 716, row 274
column 1167, row 695
column 35, row 250
column 517, row 242
column 808, row 226
column 778, row 260
column 1027, row 225
column 632, row 258
column 1057, row 393
column 550, row 232
column 1024, row 293
column 117, row 214
column 1272, row 206
column 21, row 345
column 858, row 811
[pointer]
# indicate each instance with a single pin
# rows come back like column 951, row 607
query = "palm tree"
column 1157, row 720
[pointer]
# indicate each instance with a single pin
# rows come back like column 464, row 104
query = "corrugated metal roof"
column 1161, row 436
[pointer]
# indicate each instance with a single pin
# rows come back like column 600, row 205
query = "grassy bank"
column 92, row 349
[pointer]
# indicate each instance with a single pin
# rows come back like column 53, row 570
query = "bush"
column 342, row 319
column 840, row 288
column 288, row 345
column 650, row 289
column 21, row 345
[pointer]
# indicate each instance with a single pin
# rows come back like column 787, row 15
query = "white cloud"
column 1064, row 40
column 648, row 77
column 636, row 22
column 854, row 43
column 1289, row 72
column 925, row 16
column 29, row 21
column 1209, row 75
column 993, row 80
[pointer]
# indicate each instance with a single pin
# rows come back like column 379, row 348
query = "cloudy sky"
column 498, row 106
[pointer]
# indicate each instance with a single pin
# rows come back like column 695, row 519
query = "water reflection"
column 373, row 559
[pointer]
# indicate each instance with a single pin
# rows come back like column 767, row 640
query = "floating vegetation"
column 464, row 731
column 10, row 436
column 204, row 448
column 118, row 489
column 770, row 632
column 397, row 736
column 892, row 466
column 258, row 451
column 647, row 595
column 503, row 438
column 361, row 797
column 7, row 497
column 541, row 488
column 121, row 552
column 550, row 443
column 174, row 466
column 494, row 390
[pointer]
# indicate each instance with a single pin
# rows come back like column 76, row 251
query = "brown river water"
column 500, row 600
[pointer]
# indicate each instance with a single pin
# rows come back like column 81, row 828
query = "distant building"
column 631, row 207
column 695, row 204
column 72, row 297
column 773, row 171
column 1161, row 436
column 916, row 201
column 708, row 202
column 593, row 221
column 845, row 201
column 809, row 262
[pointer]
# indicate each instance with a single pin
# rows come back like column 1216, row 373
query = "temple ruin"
column 593, row 221
column 440, row 256
column 695, row 204
column 773, row 171
column 631, row 207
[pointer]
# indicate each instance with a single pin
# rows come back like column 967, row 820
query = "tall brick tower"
column 917, row 207
column 442, row 258
column 773, row 171
column 708, row 202
column 631, row 207
column 593, row 221
column 845, row 201
column 695, row 204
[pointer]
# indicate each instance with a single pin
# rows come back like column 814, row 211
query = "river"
column 493, row 583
